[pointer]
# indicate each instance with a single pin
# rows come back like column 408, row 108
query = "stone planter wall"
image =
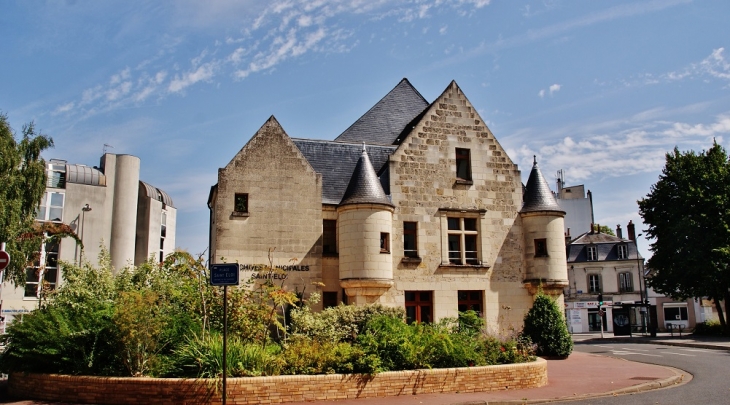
column 274, row 390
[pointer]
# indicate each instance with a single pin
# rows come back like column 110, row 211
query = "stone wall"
column 274, row 390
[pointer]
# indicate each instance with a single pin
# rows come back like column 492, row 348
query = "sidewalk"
column 662, row 338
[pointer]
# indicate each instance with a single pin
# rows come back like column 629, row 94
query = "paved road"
column 710, row 370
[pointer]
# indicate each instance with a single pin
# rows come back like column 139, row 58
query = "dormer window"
column 623, row 251
column 592, row 253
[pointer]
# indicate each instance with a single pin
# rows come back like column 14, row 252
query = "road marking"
column 698, row 350
column 604, row 346
column 638, row 350
column 628, row 353
column 680, row 354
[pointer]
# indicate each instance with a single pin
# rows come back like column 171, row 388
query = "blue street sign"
column 224, row 274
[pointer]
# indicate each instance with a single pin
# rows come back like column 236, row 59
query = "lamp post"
column 86, row 208
column 644, row 300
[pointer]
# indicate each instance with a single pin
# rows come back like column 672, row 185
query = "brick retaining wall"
column 274, row 390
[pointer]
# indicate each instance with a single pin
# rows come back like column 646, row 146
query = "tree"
column 604, row 229
column 688, row 214
column 23, row 179
column 546, row 327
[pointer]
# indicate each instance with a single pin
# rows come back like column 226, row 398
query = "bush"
column 302, row 355
column 202, row 356
column 342, row 323
column 708, row 328
column 545, row 326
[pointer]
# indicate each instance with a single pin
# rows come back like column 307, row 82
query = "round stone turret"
column 543, row 224
column 364, row 224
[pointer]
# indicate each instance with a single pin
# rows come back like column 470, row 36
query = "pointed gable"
column 269, row 138
column 538, row 196
column 364, row 186
column 385, row 121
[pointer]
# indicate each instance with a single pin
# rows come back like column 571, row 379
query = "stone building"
column 415, row 205
column 106, row 206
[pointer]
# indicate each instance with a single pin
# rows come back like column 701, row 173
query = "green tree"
column 546, row 327
column 688, row 214
column 23, row 179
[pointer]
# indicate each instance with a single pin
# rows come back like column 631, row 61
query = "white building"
column 106, row 206
column 578, row 207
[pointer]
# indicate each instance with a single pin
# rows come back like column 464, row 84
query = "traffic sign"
column 224, row 274
column 4, row 260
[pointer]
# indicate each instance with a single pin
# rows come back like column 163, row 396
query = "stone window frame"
column 241, row 205
column 384, row 242
column 419, row 306
column 478, row 214
column 329, row 233
column 410, row 230
column 541, row 248
column 463, row 170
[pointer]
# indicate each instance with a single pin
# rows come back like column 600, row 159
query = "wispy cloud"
column 271, row 35
column 713, row 66
column 623, row 147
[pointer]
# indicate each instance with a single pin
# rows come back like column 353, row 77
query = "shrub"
column 303, row 355
column 545, row 326
column 708, row 328
column 202, row 356
column 340, row 323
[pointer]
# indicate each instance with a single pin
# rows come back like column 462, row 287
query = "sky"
column 600, row 90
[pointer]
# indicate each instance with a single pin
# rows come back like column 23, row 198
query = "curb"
column 708, row 346
column 677, row 379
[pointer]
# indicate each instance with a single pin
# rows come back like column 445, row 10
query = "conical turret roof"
column 364, row 186
column 538, row 196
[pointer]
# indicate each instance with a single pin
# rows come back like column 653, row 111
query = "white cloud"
column 541, row 93
column 443, row 30
column 64, row 108
column 204, row 72
column 634, row 145
column 554, row 88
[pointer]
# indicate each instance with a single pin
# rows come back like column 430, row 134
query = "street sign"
column 224, row 274
column 4, row 260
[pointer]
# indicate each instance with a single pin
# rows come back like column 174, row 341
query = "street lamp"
column 86, row 208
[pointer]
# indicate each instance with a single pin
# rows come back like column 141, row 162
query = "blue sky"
column 601, row 90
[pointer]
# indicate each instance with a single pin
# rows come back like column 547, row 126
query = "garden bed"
column 277, row 389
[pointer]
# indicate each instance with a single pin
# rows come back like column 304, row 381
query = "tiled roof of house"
column 606, row 248
column 364, row 186
column 336, row 162
column 388, row 118
column 537, row 194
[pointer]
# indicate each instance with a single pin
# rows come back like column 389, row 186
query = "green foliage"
column 603, row 229
column 302, row 355
column 708, row 328
column 688, row 216
column 23, row 179
column 342, row 323
column 545, row 326
column 63, row 340
column 202, row 356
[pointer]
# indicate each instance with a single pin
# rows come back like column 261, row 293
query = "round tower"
column 124, row 211
column 544, row 240
column 364, row 224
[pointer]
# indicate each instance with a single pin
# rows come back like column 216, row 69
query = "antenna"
column 106, row 145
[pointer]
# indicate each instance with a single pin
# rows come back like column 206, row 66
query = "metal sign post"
column 224, row 274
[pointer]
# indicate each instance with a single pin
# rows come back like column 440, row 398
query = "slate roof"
column 606, row 248
column 336, row 162
column 537, row 194
column 388, row 118
column 364, row 186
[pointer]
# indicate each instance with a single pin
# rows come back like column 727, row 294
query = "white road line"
column 680, row 354
column 627, row 353
column 632, row 349
column 604, row 346
column 697, row 350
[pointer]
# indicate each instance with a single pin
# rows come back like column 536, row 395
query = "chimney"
column 598, row 228
column 592, row 227
column 567, row 237
column 618, row 231
column 631, row 230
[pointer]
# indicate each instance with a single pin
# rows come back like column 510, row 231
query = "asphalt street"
column 710, row 370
